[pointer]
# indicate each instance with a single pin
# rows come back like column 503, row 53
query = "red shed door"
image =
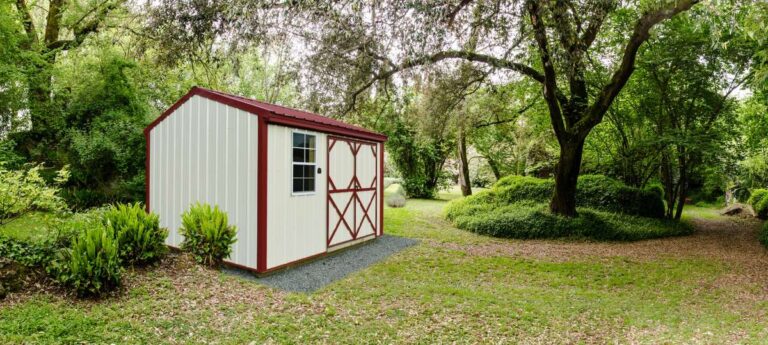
column 352, row 180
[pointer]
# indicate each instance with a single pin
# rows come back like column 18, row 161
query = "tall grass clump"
column 207, row 234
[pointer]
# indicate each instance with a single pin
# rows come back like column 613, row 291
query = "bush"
column 24, row 191
column 759, row 202
column 764, row 235
column 395, row 201
column 527, row 220
column 141, row 239
column 91, row 266
column 594, row 191
column 207, row 234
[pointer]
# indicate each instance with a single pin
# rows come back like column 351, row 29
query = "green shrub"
column 91, row 266
column 207, row 234
column 657, row 189
column 759, row 202
column 764, row 234
column 594, row 191
column 528, row 220
column 141, row 239
column 23, row 191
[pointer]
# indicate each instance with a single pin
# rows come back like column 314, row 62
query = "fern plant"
column 207, row 234
column 91, row 266
column 142, row 240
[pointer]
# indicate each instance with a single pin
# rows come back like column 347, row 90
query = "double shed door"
column 352, row 194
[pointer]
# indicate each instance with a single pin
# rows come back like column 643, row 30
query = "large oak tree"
column 551, row 42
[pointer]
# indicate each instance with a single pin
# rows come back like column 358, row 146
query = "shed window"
column 304, row 147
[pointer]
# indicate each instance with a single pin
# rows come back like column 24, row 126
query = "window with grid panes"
column 304, row 162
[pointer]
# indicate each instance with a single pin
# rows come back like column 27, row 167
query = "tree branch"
column 621, row 75
column 445, row 55
column 550, row 78
column 452, row 15
column 26, row 19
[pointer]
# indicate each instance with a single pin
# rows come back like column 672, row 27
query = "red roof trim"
column 276, row 115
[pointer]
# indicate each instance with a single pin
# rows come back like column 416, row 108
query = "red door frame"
column 353, row 187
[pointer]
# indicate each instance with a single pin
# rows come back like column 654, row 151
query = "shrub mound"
column 759, row 202
column 516, row 207
column 207, row 234
column 594, row 191
column 527, row 220
column 141, row 239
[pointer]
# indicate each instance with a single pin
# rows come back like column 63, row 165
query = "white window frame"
column 292, row 163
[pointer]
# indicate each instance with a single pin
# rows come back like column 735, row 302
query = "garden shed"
column 296, row 184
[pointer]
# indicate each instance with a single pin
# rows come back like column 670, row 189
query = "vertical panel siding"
column 206, row 151
column 296, row 225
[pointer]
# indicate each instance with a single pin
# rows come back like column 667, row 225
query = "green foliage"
column 418, row 160
column 207, row 234
column 528, row 220
column 24, row 191
column 759, row 202
column 91, row 266
column 764, row 234
column 27, row 253
column 594, row 191
column 141, row 239
column 105, row 144
column 515, row 207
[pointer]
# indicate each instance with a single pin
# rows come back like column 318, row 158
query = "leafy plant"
column 207, row 234
column 23, row 191
column 27, row 253
column 91, row 266
column 759, row 202
column 141, row 239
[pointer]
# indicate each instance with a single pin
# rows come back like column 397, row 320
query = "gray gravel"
column 317, row 274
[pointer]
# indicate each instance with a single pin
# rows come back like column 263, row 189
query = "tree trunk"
column 682, row 185
column 464, row 179
column 494, row 167
column 566, row 176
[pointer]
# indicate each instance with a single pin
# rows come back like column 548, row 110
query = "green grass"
column 710, row 213
column 434, row 292
column 33, row 226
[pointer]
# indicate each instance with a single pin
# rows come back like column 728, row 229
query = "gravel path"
column 317, row 274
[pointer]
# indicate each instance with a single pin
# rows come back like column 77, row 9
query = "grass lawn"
column 454, row 287
column 30, row 227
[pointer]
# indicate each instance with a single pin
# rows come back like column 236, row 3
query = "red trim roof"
column 276, row 114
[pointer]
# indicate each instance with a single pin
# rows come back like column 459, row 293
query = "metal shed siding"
column 206, row 151
column 295, row 223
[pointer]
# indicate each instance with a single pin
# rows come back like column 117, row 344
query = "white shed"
column 297, row 185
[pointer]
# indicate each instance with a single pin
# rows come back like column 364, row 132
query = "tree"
column 66, row 26
column 562, row 33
